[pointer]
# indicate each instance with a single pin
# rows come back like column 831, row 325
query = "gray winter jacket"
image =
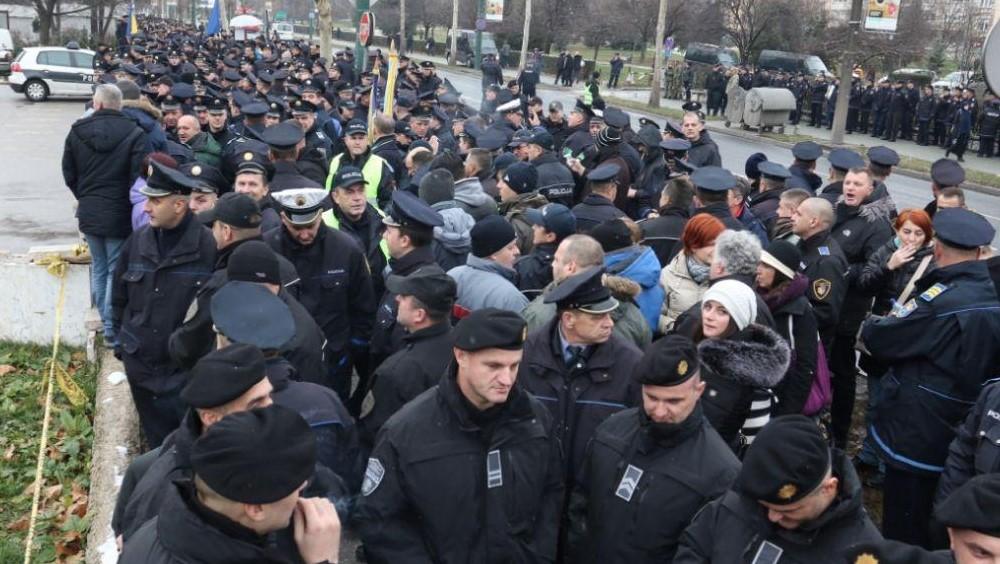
column 471, row 197
column 485, row 283
column 453, row 240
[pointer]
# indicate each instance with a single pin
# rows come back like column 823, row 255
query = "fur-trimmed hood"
column 879, row 206
column 756, row 356
column 144, row 105
column 622, row 288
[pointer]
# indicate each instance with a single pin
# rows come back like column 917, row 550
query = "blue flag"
column 214, row 20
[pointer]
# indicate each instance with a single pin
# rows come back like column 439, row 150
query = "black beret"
column 974, row 506
column 787, row 461
column 257, row 456
column 224, row 375
column 669, row 361
column 491, row 328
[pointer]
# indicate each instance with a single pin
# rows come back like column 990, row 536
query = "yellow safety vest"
column 372, row 171
column 333, row 222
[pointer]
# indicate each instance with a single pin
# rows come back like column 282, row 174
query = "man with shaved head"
column 206, row 148
column 825, row 263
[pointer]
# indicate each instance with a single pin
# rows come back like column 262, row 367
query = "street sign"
column 280, row 16
column 366, row 28
column 312, row 15
column 480, row 24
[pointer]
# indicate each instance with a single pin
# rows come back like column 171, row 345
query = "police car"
column 40, row 72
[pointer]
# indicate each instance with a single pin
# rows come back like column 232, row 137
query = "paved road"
column 907, row 192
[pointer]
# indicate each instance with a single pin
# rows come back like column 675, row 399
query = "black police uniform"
column 662, row 233
column 976, row 448
column 593, row 211
column 158, row 274
column 826, row 268
column 287, row 175
column 367, row 232
column 534, row 270
column 716, row 179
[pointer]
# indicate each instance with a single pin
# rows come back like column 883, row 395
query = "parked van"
column 795, row 63
column 285, row 30
column 710, row 55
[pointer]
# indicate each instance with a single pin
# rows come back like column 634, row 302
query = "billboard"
column 494, row 10
column 882, row 15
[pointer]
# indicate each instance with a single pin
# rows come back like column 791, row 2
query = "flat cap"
column 235, row 209
column 408, row 210
column 164, row 181
column 973, row 506
column 258, row 456
column 554, row 218
column 845, row 159
column 962, row 228
column 429, row 284
column 247, row 312
column 669, row 361
column 807, row 151
column 491, row 328
column 223, row 375
column 283, row 136
column 787, row 461
column 209, row 179
column 604, row 172
column 713, row 179
column 946, row 172
column 884, row 156
column 773, row 170
column 521, row 177
column 584, row 291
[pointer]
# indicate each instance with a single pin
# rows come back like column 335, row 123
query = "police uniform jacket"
column 318, row 143
column 594, row 210
column 976, row 449
column 811, row 178
column 387, row 336
column 720, row 211
column 942, row 348
column 151, row 294
column 764, row 205
column 367, row 232
column 662, row 233
column 859, row 231
column 826, row 268
column 335, row 285
column 534, row 270
column 407, row 373
column 639, row 490
column 287, row 175
column 581, row 394
column 447, row 483
column 386, row 148
column 555, row 180
column 732, row 528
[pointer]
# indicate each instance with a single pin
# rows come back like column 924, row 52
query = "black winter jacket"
column 885, row 284
column 101, row 160
column 795, row 322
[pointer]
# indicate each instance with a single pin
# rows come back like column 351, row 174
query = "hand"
column 632, row 193
column 576, row 166
column 434, row 143
column 902, row 256
column 533, row 119
column 317, row 530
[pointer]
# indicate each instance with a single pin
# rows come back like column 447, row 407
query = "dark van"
column 794, row 63
column 710, row 55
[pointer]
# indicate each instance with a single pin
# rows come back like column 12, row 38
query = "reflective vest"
column 372, row 171
column 333, row 222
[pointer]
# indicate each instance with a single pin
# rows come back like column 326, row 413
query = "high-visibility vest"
column 372, row 171
column 333, row 222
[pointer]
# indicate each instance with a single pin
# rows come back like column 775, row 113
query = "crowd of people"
column 526, row 333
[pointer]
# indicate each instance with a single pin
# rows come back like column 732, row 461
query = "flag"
column 133, row 24
column 390, row 79
column 373, row 100
column 214, row 20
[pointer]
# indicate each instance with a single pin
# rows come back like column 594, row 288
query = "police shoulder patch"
column 373, row 476
column 824, row 251
column 821, row 288
column 906, row 309
column 934, row 291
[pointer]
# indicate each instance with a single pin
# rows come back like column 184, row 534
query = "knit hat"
column 738, row 299
column 609, row 136
column 612, row 234
column 521, row 177
column 753, row 162
column 491, row 234
column 437, row 186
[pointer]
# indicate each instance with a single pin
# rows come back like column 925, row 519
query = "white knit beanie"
column 738, row 299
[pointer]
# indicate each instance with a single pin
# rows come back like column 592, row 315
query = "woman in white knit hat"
column 741, row 362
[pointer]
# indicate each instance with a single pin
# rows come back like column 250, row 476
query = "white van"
column 285, row 30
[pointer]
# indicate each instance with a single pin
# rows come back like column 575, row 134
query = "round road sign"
column 366, row 28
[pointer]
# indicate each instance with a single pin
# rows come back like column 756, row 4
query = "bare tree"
column 745, row 21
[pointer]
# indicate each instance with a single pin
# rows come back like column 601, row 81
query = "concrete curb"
column 116, row 442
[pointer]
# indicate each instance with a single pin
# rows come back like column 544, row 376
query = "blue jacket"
column 147, row 116
column 639, row 264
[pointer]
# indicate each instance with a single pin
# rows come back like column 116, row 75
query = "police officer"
column 945, row 173
column 424, row 299
column 976, row 448
column 460, row 500
column 351, row 213
column 649, row 469
column 378, row 174
column 158, row 274
column 409, row 232
column 253, row 176
column 249, row 471
column 579, row 369
column 841, row 161
column 285, row 142
column 210, row 183
column 518, row 188
column 712, row 185
column 941, row 346
column 218, row 121
column 764, row 204
column 318, row 146
column 794, row 500
column 806, row 153
column 880, row 162
column 825, row 264
column 550, row 224
column 335, row 281
column 598, row 205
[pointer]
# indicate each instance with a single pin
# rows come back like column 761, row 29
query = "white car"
column 953, row 80
column 285, row 30
column 40, row 72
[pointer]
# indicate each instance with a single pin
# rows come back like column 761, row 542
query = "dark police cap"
column 169, row 102
column 713, row 179
column 303, row 107
column 312, row 85
column 502, row 161
column 973, row 506
column 405, row 102
column 584, row 291
column 265, row 77
column 554, row 218
column 347, row 105
column 773, row 171
column 521, row 177
column 962, row 228
column 247, row 312
column 283, row 136
column 845, row 159
column 520, row 137
column 232, row 75
column 216, row 106
column 946, row 172
column 884, row 156
column 807, row 151
column 491, row 328
column 254, row 261
column 356, row 127
column 254, row 109
column 787, row 461
column 426, row 64
column 348, row 176
column 408, row 210
column 645, row 121
column 235, row 209
column 675, row 145
column 674, row 129
column 182, row 91
column 254, row 163
column 258, row 456
column 543, row 139
column 208, row 178
column 429, row 284
column 491, row 140
column 604, row 173
column 796, row 181
column 616, row 117
column 224, row 375
column 164, row 181
column 669, row 361
column 275, row 109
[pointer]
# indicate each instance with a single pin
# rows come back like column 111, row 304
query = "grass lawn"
column 62, row 524
column 671, row 113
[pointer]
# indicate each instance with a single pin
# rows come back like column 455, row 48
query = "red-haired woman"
column 685, row 278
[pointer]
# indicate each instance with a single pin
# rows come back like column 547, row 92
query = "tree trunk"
column 44, row 27
column 453, row 48
column 527, row 31
column 661, row 23
column 597, row 47
column 325, row 29
column 402, row 27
